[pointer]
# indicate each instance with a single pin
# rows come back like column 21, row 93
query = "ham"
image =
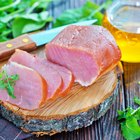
column 67, row 76
column 30, row 90
column 52, row 77
column 88, row 51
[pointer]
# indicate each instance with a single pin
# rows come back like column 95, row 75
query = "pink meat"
column 66, row 75
column 30, row 90
column 51, row 76
column 88, row 51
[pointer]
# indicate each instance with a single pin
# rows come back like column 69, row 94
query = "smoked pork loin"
column 59, row 79
column 52, row 77
column 88, row 51
column 67, row 76
column 30, row 90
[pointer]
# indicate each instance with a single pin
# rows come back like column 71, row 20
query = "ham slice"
column 66, row 75
column 88, row 51
column 30, row 90
column 52, row 77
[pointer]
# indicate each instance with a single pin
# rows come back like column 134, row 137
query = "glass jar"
column 122, row 19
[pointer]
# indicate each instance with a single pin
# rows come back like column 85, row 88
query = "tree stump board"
column 79, row 108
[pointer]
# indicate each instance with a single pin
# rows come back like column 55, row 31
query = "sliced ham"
column 51, row 76
column 30, row 90
column 88, row 51
column 66, row 75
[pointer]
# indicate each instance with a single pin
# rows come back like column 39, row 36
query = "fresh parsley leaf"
column 124, row 114
column 129, row 122
column 22, row 16
column 88, row 11
column 10, row 91
column 8, row 82
column 2, row 85
column 137, row 114
column 4, row 31
column 130, row 129
column 29, row 23
column 137, row 100
column 5, row 2
column 14, row 77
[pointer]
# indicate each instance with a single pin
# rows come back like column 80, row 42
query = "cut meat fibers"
column 30, row 90
column 88, row 51
column 66, row 75
column 51, row 76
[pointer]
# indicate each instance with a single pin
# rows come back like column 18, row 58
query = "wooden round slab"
column 79, row 108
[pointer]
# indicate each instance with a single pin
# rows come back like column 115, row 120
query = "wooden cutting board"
column 79, row 108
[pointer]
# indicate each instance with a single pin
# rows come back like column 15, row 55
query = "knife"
column 30, row 42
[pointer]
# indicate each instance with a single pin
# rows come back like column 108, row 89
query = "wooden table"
column 107, row 127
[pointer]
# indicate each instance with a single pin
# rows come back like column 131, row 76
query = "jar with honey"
column 122, row 19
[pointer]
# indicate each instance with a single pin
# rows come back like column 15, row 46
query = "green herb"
column 129, row 122
column 8, row 82
column 88, row 11
column 22, row 16
column 137, row 100
column 29, row 23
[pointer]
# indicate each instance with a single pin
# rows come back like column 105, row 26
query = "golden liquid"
column 125, row 28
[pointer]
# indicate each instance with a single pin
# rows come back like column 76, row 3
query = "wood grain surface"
column 79, row 108
column 79, row 99
column 107, row 127
column 88, row 103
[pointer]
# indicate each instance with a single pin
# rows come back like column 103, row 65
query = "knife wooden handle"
column 22, row 42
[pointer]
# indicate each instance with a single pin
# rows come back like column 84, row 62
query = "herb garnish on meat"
column 8, row 82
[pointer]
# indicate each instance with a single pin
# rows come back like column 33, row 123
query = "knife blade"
column 30, row 42
column 46, row 36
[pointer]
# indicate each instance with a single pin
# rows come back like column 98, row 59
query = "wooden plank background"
column 107, row 127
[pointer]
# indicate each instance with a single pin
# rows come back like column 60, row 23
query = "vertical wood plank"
column 109, row 126
column 131, row 77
